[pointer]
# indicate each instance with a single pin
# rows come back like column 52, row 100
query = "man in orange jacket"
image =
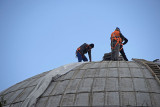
column 116, row 44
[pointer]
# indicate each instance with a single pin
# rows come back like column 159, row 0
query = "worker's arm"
column 124, row 39
column 89, row 54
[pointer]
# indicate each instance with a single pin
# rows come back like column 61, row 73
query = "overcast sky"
column 40, row 35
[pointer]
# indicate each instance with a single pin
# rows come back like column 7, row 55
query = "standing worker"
column 116, row 44
column 83, row 49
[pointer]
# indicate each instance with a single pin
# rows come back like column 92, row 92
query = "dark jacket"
column 83, row 49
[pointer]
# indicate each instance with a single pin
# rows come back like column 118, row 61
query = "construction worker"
column 116, row 44
column 83, row 49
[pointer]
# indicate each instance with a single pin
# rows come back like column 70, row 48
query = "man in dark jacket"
column 83, row 49
column 124, row 41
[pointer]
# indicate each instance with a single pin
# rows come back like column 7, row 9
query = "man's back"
column 84, row 48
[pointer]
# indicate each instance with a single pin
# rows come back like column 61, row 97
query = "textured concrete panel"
column 155, row 99
column 124, row 72
column 6, row 106
column 147, row 73
column 101, row 73
column 128, row 98
column 90, row 73
column 16, row 105
column 24, row 94
column 153, row 86
column 57, row 78
column 140, row 84
column 87, row 65
column 14, row 88
column 49, row 89
column 42, row 102
column 95, row 65
column 79, row 74
column 112, row 84
column 60, row 87
column 143, row 99
column 123, row 64
column 35, row 82
column 112, row 98
column 53, row 101
column 28, row 83
column 99, row 84
column 11, row 97
column 136, row 72
column 85, row 85
column 126, row 84
column 82, row 100
column 72, row 87
column 68, row 75
column 7, row 96
column 68, row 100
column 113, row 64
column 112, row 72
column 98, row 99
column 132, row 64
column 104, row 64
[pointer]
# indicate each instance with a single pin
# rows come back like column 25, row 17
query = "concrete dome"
column 106, row 83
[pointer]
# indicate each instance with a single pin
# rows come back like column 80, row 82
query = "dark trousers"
column 80, row 57
column 123, row 54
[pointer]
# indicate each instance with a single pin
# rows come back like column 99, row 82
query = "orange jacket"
column 116, row 36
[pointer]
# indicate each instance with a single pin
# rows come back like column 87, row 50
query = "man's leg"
column 85, row 58
column 123, row 54
column 79, row 57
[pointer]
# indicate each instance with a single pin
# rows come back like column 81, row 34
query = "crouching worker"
column 83, row 49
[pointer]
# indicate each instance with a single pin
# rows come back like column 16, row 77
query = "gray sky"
column 40, row 35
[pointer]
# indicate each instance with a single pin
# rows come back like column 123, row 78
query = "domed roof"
column 102, row 83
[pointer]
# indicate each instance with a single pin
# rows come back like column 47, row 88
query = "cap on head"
column 91, row 45
column 117, row 28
